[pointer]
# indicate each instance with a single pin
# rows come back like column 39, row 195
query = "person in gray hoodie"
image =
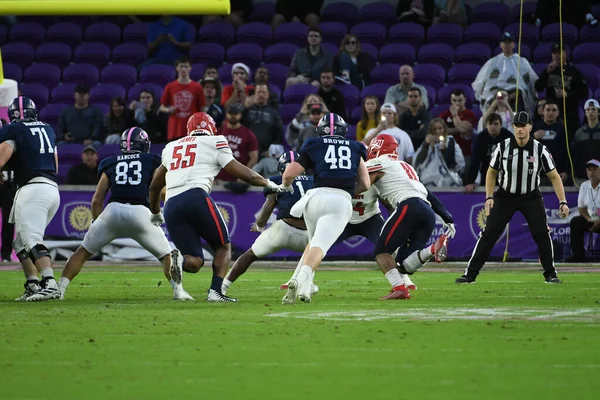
column 308, row 62
column 264, row 121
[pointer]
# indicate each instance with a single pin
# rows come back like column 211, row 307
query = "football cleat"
column 182, row 295
column 315, row 288
column 553, row 280
column 305, row 291
column 31, row 288
column 218, row 297
column 49, row 291
column 464, row 280
column 408, row 283
column 292, row 293
column 397, row 293
column 440, row 249
column 176, row 268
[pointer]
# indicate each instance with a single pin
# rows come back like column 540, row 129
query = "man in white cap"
column 587, row 139
column 588, row 204
column 406, row 151
column 239, row 89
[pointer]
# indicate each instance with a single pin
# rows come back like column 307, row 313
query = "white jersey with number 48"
column 399, row 182
column 193, row 162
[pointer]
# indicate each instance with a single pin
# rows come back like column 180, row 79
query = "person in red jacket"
column 181, row 99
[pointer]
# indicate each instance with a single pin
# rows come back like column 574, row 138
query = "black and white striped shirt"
column 520, row 167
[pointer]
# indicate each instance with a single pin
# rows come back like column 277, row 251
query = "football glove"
column 450, row 230
column 157, row 219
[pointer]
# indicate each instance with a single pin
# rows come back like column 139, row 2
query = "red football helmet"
column 201, row 124
column 383, row 144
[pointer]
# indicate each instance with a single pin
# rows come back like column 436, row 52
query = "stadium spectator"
column 302, row 119
column 316, row 112
column 307, row 64
column 588, row 204
column 369, row 117
column 578, row 14
column 264, row 121
column 587, row 139
column 387, row 124
column 306, row 11
column 267, row 166
column 417, row 11
column 333, row 98
column 147, row 116
column 460, row 122
column 118, row 119
column 551, row 132
column 398, row 94
column 576, row 88
column 239, row 88
column 261, row 77
column 211, row 88
column 212, row 72
column 86, row 172
column 439, row 160
column 415, row 120
column 501, row 107
column 81, row 122
column 451, row 11
column 169, row 39
column 181, row 99
column 500, row 72
column 8, row 188
column 485, row 143
column 538, row 115
column 351, row 65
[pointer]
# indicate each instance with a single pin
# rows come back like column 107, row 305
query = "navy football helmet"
column 285, row 159
column 135, row 140
column 332, row 124
column 22, row 108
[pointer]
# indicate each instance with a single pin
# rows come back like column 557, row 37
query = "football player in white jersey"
column 410, row 226
column 189, row 166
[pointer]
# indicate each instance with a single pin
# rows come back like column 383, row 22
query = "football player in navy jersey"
column 30, row 146
column 339, row 171
column 286, row 233
column 127, row 213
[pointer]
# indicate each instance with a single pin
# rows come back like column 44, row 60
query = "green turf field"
column 118, row 335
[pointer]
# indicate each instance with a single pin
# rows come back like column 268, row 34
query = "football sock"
column 394, row 278
column 33, row 278
column 63, row 283
column 417, row 259
column 305, row 274
column 298, row 267
column 216, row 283
column 227, row 283
column 174, row 285
column 47, row 273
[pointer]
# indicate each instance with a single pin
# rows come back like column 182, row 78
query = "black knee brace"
column 23, row 255
column 38, row 251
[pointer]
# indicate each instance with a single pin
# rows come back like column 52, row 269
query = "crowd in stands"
column 423, row 71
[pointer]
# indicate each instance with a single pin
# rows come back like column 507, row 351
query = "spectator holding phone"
column 501, row 107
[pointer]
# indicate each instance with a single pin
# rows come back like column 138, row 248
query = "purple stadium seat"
column 134, row 92
column 262, row 12
column 136, row 33
column 248, row 53
column 70, row 152
column 20, row 54
column 51, row 115
column 351, row 132
column 37, row 92
column 436, row 53
column 525, row 51
column 486, row 33
column 346, row 13
column 539, row 67
column 86, row 74
column 96, row 54
column 46, row 74
column 292, row 32
column 379, row 12
column 586, row 53
column 333, row 32
column 370, row 32
column 225, row 74
column 551, row 34
column 386, row 73
column 528, row 9
column 355, row 114
column 448, row 33
column 436, row 111
column 130, row 53
column 407, row 32
column 351, row 94
column 27, row 32
column 102, row 94
column 397, row 53
column 55, row 53
column 192, row 32
column 80, row 20
column 157, row 148
column 431, row 94
column 296, row 93
column 332, row 48
column 108, row 150
column 217, row 32
column 370, row 50
column 121, row 74
column 289, row 111
column 530, row 34
column 377, row 89
column 197, row 71
column 103, row 32
column 277, row 74
column 255, row 32
column 65, row 32
column 430, row 74
column 3, row 34
column 161, row 74
column 207, row 53
column 495, row 13
column 104, row 108
column 63, row 94
column 275, row 90
column 444, row 94
column 280, row 53
column 463, row 73
column 588, row 34
column 13, row 71
column 543, row 53
column 472, row 53
column 591, row 74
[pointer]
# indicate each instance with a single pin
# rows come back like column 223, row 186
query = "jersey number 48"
column 343, row 159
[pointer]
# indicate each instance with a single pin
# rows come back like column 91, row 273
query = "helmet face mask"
column 285, row 159
column 22, row 108
column 135, row 140
column 332, row 124
column 201, row 124
column 382, row 144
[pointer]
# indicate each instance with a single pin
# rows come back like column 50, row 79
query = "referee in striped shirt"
column 517, row 163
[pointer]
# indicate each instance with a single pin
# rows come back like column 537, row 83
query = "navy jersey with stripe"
column 35, row 146
column 130, row 176
column 286, row 200
column 334, row 161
